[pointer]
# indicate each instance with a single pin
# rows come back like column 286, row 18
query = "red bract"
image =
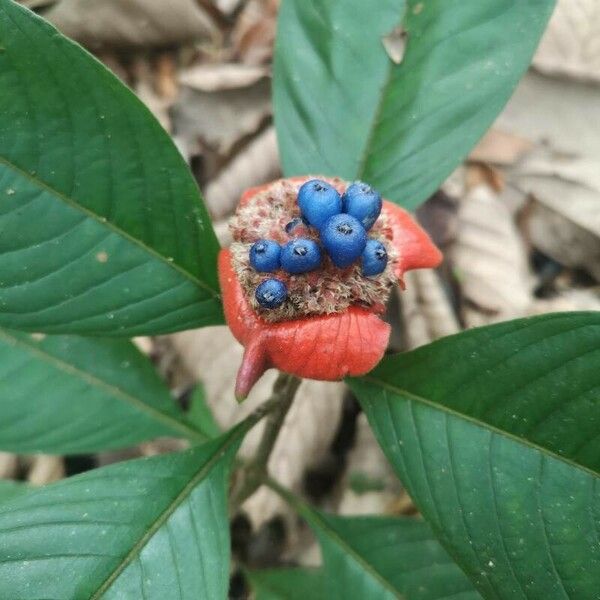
column 326, row 346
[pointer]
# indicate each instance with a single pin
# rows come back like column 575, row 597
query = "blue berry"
column 264, row 256
column 344, row 239
column 362, row 202
column 374, row 258
column 271, row 293
column 318, row 201
column 300, row 256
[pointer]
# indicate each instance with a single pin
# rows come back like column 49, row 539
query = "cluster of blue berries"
column 342, row 223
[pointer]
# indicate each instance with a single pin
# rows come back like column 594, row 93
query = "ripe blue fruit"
column 264, row 256
column 374, row 258
column 318, row 200
column 300, row 256
column 271, row 293
column 344, row 239
column 362, row 202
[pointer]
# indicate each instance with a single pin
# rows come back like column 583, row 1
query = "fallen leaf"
column 563, row 217
column 257, row 163
column 45, row 469
column 254, row 33
column 500, row 148
column 132, row 22
column 489, row 259
column 220, row 104
column 370, row 485
column 426, row 309
column 568, row 301
column 571, row 44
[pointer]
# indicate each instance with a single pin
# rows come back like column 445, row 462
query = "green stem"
column 280, row 402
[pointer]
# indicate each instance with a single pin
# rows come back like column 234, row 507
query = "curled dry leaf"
column 563, row 218
column 566, row 118
column 370, row 486
column 571, row 44
column 254, row 33
column 44, row 469
column 212, row 356
column 257, row 163
column 498, row 147
column 152, row 93
column 489, row 258
column 568, row 301
column 9, row 464
column 220, row 104
column 427, row 313
column 132, row 22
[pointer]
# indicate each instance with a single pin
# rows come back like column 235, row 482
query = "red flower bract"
column 319, row 346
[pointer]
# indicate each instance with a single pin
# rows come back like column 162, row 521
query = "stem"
column 284, row 390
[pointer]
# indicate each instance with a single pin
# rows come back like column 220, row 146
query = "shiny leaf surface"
column 68, row 394
column 152, row 528
column 102, row 229
column 344, row 107
column 494, row 432
column 382, row 557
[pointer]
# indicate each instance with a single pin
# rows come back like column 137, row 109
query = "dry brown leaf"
column 220, row 104
column 563, row 116
column 33, row 4
column 489, row 259
column 45, row 469
column 146, row 89
column 213, row 356
column 9, row 465
column 426, row 310
column 254, row 33
column 568, row 301
column 367, row 461
column 257, row 163
column 571, row 44
column 227, row 6
column 563, row 219
column 500, row 148
column 132, row 22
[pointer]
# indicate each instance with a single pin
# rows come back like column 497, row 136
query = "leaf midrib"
column 311, row 515
column 108, row 225
column 65, row 367
column 366, row 152
column 172, row 507
column 479, row 423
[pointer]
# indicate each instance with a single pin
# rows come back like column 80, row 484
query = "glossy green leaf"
column 343, row 107
column 12, row 489
column 382, row 557
column 69, row 394
column 152, row 528
column 287, row 584
column 494, row 432
column 102, row 229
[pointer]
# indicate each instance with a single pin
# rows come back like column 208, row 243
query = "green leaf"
column 200, row 415
column 494, row 432
column 12, row 489
column 102, row 229
column 69, row 394
column 342, row 107
column 287, row 584
column 152, row 528
column 382, row 557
